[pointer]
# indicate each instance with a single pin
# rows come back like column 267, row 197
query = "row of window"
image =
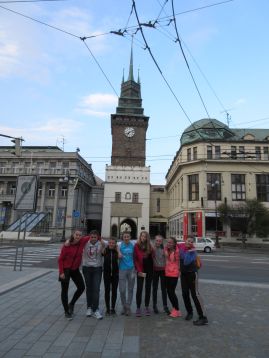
column 125, row 177
column 236, row 152
column 238, row 187
column 36, row 164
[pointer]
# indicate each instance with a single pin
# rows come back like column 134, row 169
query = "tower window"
column 118, row 197
column 135, row 197
column 158, row 209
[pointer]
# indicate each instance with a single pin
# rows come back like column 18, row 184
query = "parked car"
column 205, row 244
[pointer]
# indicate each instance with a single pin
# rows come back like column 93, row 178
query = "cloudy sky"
column 56, row 89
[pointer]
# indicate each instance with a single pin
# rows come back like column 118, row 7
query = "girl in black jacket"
column 111, row 275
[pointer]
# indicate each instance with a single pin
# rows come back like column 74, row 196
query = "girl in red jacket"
column 69, row 262
column 144, row 266
column 171, row 274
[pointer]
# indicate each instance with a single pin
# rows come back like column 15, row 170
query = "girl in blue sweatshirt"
column 189, row 282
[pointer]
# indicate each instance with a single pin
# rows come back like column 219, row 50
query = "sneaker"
column 89, row 312
column 123, row 312
column 112, row 311
column 138, row 312
column 128, row 311
column 175, row 313
column 71, row 308
column 147, row 311
column 97, row 314
column 155, row 309
column 68, row 316
column 201, row 321
column 189, row 316
column 166, row 310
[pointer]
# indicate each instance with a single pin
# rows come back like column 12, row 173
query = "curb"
column 22, row 281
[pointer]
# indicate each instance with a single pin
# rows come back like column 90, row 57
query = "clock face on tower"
column 129, row 132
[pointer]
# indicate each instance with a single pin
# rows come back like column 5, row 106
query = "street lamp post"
column 65, row 180
column 215, row 186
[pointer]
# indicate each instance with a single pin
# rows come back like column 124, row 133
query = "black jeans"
column 139, row 289
column 92, row 277
column 111, row 286
column 189, row 285
column 155, row 283
column 171, row 284
column 77, row 278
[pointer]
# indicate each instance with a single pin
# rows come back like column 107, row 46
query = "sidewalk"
column 32, row 324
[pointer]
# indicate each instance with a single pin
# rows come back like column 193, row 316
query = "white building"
column 127, row 184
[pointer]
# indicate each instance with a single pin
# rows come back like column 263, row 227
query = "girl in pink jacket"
column 171, row 274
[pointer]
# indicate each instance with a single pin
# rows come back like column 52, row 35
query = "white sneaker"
column 97, row 315
column 89, row 312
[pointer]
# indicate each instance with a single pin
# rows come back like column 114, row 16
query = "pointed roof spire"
column 122, row 76
column 138, row 77
column 131, row 74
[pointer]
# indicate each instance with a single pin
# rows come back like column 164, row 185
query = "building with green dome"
column 215, row 164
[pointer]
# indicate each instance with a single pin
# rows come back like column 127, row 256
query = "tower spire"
column 131, row 67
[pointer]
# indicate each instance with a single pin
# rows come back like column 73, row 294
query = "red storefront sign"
column 199, row 223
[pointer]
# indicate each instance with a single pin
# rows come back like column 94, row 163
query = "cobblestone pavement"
column 32, row 324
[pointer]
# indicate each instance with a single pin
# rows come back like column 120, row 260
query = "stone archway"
column 130, row 226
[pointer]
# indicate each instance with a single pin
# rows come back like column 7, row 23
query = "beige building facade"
column 215, row 164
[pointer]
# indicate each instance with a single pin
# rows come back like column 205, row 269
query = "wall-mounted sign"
column 26, row 193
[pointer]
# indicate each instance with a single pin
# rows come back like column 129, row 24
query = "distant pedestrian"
column 111, row 275
column 189, row 282
column 144, row 267
column 69, row 262
column 126, row 272
column 159, row 274
column 171, row 274
column 92, row 268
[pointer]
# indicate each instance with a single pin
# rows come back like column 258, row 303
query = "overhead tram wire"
column 165, row 80
column 39, row 22
column 98, row 64
column 178, row 40
column 170, row 36
column 165, row 18
column 68, row 33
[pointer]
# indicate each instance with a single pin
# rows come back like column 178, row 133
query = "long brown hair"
column 145, row 246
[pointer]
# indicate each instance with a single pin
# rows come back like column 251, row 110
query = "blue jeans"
column 92, row 277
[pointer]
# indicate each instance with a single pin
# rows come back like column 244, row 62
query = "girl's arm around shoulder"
column 84, row 240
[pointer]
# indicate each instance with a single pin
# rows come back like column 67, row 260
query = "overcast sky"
column 53, row 87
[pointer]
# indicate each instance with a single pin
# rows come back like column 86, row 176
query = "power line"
column 98, row 64
column 185, row 59
column 39, row 22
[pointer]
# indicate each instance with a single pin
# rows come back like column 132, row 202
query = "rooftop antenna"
column 228, row 116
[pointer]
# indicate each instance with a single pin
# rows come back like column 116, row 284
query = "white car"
column 204, row 244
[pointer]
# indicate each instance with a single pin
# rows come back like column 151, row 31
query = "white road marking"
column 236, row 283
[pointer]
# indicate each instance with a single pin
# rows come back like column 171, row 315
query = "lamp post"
column 215, row 186
column 65, row 180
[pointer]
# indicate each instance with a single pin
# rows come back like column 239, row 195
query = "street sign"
column 76, row 214
column 26, row 193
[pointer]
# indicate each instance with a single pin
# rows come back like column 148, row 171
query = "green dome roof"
column 206, row 129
